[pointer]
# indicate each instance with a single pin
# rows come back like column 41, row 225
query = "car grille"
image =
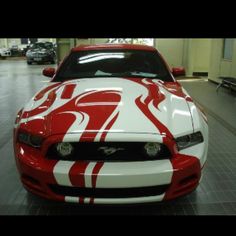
column 96, row 151
column 109, row 192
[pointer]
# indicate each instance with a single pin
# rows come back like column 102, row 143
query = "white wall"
column 91, row 41
column 215, row 59
column 171, row 50
column 63, row 47
column 12, row 41
column 218, row 65
column 196, row 55
column 83, row 41
column 100, row 40
column 2, row 43
column 53, row 40
column 233, row 64
column 201, row 54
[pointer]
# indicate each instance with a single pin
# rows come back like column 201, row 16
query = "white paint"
column 71, row 199
column 134, row 174
column 176, row 117
column 78, row 126
column 199, row 151
column 131, row 119
column 129, row 200
column 132, row 200
column 87, row 200
column 61, row 172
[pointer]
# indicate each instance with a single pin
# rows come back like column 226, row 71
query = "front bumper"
column 180, row 175
column 43, row 59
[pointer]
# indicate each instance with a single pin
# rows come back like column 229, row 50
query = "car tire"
column 29, row 62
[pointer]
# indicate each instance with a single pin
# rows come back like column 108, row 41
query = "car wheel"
column 29, row 62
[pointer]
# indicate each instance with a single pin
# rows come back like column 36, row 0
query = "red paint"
column 32, row 163
column 60, row 123
column 81, row 200
column 68, row 91
column 95, row 172
column 107, row 128
column 59, row 120
column 176, row 89
column 188, row 99
column 76, row 173
column 183, row 166
column 42, row 92
column 160, row 127
column 156, row 97
column 113, row 46
column 178, row 71
column 35, row 127
column 42, row 107
column 154, row 93
column 97, row 114
column 84, row 103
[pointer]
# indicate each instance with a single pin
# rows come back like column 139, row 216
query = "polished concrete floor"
column 215, row 195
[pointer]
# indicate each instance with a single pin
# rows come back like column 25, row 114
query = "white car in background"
column 4, row 52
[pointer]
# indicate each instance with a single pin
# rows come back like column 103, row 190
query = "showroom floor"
column 215, row 195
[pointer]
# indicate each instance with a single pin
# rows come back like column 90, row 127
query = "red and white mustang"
column 112, row 127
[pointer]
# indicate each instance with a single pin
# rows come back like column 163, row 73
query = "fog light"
column 64, row 149
column 152, row 149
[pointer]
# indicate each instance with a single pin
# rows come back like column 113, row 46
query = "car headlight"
column 30, row 139
column 152, row 149
column 64, row 149
column 189, row 140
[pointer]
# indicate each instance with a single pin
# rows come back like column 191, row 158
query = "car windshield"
column 113, row 63
column 41, row 45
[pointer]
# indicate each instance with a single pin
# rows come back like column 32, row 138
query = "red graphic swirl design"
column 155, row 96
column 77, row 179
column 44, row 91
column 176, row 89
column 97, row 105
column 107, row 128
column 42, row 107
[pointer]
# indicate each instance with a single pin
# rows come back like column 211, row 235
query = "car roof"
column 113, row 46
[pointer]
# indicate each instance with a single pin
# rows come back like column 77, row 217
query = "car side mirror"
column 178, row 71
column 49, row 72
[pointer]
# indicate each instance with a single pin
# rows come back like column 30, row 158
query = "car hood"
column 97, row 107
